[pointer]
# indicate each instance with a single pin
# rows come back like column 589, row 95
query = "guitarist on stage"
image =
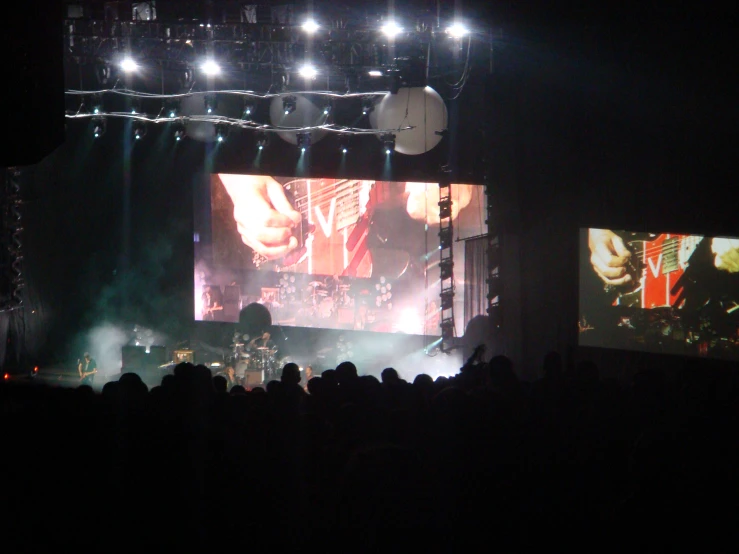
column 211, row 305
column 87, row 368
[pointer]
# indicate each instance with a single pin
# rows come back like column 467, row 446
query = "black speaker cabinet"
column 134, row 357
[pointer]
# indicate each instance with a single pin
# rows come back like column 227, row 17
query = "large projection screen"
column 330, row 253
column 659, row 292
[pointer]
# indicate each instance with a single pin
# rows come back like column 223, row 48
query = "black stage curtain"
column 475, row 273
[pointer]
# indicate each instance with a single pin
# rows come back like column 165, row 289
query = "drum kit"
column 324, row 299
column 246, row 361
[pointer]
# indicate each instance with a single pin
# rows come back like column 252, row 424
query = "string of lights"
column 170, row 116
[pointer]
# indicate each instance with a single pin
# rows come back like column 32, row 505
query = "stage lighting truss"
column 289, row 104
column 11, row 279
column 446, row 266
column 139, row 130
column 303, row 140
column 494, row 282
column 388, row 143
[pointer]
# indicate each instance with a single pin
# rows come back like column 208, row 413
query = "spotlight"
column 447, row 268
column 375, row 73
column 388, row 141
column 308, row 71
column 98, row 127
column 445, row 208
column 171, row 109
column 289, row 103
column 344, row 144
column 391, row 29
column 457, row 30
column 447, row 299
column 327, row 109
column 139, row 131
column 310, row 26
column 248, row 111
column 221, row 133
column 210, row 68
column 445, row 238
column 179, row 132
column 303, row 140
column 211, row 103
column 368, row 105
column 262, row 140
column 128, row 65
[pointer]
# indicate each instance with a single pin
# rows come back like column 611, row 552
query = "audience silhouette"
column 477, row 460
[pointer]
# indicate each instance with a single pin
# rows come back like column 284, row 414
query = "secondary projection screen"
column 659, row 292
column 330, row 253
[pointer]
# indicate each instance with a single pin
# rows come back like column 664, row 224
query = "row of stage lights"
column 391, row 29
column 221, row 132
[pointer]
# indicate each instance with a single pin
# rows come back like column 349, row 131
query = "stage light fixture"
column 391, row 29
column 171, row 109
column 139, row 131
column 374, row 73
column 98, row 127
column 388, row 142
column 446, row 268
column 128, row 65
column 368, row 105
column 445, row 238
column 211, row 103
column 210, row 68
column 248, row 111
column 310, row 26
column 457, row 30
column 445, row 208
column 262, row 140
column 447, row 299
column 179, row 132
column 303, row 141
column 327, row 109
column 308, row 71
column 221, row 132
column 289, row 103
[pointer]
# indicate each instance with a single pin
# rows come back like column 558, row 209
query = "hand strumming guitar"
column 609, row 256
column 264, row 217
column 423, row 200
column 726, row 252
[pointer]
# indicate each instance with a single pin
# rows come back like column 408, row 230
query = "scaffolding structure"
column 11, row 245
column 446, row 267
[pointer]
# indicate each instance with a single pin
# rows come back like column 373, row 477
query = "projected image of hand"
column 423, row 200
column 609, row 256
column 263, row 214
column 726, row 254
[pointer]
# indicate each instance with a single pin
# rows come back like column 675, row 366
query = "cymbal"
column 238, row 344
column 262, row 348
column 315, row 284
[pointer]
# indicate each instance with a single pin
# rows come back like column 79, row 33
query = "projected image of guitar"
column 334, row 233
column 656, row 265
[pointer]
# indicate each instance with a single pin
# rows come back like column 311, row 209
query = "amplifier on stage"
column 253, row 378
column 184, row 356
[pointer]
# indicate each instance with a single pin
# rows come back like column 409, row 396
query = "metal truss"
column 337, row 52
column 446, row 267
column 11, row 247
column 495, row 286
